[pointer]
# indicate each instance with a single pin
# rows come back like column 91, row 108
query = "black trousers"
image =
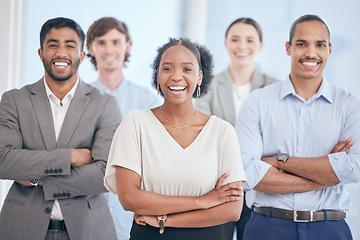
column 139, row 232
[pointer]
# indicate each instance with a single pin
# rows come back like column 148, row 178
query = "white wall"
column 12, row 25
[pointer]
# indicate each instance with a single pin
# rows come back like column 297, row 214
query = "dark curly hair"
column 201, row 53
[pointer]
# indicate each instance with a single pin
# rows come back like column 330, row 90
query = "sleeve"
column 88, row 179
column 125, row 151
column 16, row 162
column 231, row 157
column 250, row 140
column 347, row 166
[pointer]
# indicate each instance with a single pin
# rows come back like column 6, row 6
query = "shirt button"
column 47, row 210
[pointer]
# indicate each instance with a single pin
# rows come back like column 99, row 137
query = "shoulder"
column 222, row 77
column 269, row 80
column 220, row 125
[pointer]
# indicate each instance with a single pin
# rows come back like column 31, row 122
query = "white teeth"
column 177, row 88
column 241, row 54
column 60, row 64
column 310, row 63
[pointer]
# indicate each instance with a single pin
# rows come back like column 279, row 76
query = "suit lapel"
column 43, row 113
column 226, row 100
column 77, row 106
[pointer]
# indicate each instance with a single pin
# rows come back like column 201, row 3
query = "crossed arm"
column 301, row 174
column 221, row 205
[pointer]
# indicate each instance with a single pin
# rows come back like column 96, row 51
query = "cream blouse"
column 143, row 145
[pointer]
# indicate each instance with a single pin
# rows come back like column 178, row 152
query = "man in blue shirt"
column 109, row 43
column 287, row 133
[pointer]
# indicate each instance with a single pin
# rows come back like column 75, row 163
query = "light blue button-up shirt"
column 275, row 119
column 129, row 97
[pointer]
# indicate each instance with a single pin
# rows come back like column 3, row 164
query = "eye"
column 187, row 69
column 300, row 44
column 116, row 42
column 167, row 69
column 71, row 46
column 321, row 45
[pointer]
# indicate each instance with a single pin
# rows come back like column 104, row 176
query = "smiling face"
column 109, row 50
column 243, row 43
column 178, row 74
column 309, row 51
column 61, row 54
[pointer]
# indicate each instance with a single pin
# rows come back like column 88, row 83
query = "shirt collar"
column 70, row 93
column 287, row 88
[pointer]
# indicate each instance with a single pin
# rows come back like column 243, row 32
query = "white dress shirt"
column 59, row 109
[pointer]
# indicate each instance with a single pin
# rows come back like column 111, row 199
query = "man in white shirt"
column 54, row 141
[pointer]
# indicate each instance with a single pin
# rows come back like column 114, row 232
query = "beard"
column 49, row 71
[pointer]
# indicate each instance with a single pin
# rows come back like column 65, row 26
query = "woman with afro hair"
column 178, row 170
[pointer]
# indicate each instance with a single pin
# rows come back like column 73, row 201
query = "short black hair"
column 61, row 22
column 249, row 21
column 307, row 18
column 201, row 53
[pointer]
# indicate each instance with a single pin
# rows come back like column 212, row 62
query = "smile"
column 242, row 54
column 177, row 88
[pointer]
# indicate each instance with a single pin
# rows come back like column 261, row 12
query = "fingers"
column 220, row 181
column 343, row 146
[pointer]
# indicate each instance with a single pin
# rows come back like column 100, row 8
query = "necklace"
column 162, row 113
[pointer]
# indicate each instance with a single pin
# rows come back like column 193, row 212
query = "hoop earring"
column 158, row 89
column 198, row 91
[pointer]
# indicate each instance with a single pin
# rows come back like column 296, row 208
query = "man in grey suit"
column 54, row 140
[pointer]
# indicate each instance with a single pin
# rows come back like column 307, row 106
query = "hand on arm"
column 301, row 174
column 142, row 202
column 80, row 157
column 229, row 211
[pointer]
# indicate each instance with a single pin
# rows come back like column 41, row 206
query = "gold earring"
column 198, row 91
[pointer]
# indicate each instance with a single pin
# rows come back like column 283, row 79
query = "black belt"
column 57, row 225
column 301, row 216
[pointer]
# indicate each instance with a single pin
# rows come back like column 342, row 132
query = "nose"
column 311, row 51
column 177, row 75
column 61, row 52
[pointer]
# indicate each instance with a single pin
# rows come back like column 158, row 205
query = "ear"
column 287, row 47
column 200, row 78
column 41, row 54
column 82, row 56
column 128, row 46
column 261, row 46
column 330, row 48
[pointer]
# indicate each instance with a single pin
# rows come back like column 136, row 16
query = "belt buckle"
column 303, row 221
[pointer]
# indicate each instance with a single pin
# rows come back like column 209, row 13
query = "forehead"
column 62, row 34
column 243, row 29
column 178, row 53
column 311, row 30
column 112, row 34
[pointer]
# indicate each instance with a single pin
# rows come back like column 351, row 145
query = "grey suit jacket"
column 28, row 150
column 219, row 100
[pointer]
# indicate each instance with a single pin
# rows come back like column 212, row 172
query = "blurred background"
column 151, row 23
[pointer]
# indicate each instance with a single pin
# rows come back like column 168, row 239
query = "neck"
column 306, row 88
column 60, row 88
column 111, row 79
column 179, row 115
column 241, row 75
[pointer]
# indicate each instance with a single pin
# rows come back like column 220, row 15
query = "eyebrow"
column 184, row 63
column 57, row 41
column 304, row 41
